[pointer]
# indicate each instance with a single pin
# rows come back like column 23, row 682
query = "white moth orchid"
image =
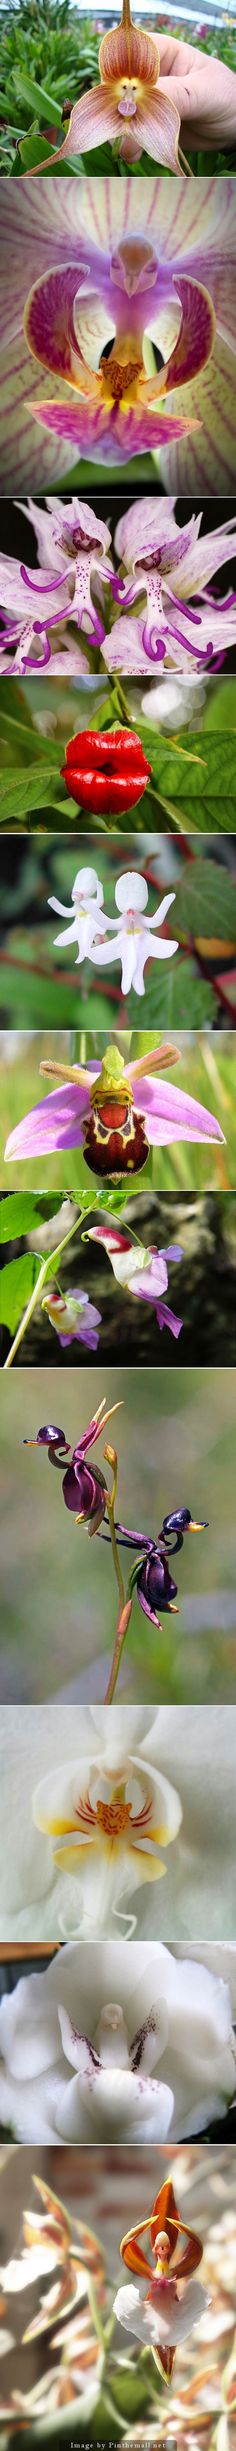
column 109, row 1813
column 104, row 2045
column 86, row 920
column 135, row 939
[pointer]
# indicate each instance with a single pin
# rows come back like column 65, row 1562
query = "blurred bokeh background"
column 176, row 1446
column 206, row 1071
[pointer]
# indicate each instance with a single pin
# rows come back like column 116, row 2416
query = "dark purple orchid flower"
column 84, row 1490
column 154, row 1583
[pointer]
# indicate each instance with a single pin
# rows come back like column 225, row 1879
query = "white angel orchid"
column 109, row 1813
column 133, row 938
column 107, row 2046
column 86, row 919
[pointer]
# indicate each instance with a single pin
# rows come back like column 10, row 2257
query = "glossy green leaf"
column 17, row 1282
column 24, row 1212
column 22, row 792
column 37, row 97
column 198, row 776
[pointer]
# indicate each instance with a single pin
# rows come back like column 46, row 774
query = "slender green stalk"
column 48, row 1268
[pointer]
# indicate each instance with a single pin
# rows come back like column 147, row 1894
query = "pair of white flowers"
column 131, row 938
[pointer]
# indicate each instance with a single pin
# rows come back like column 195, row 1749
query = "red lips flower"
column 106, row 771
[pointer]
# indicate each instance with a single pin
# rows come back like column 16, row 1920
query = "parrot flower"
column 156, row 2312
column 84, row 1490
column 74, row 1317
column 87, row 277
column 129, row 110
column 144, row 1273
column 113, row 1115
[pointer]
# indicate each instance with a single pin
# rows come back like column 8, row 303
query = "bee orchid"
column 114, row 1114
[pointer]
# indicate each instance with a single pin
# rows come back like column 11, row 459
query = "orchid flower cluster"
column 130, row 939
column 74, row 2313
column 86, row 1495
column 71, row 2259
column 156, row 609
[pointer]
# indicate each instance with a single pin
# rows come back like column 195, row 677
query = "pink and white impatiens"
column 138, row 262
column 73, row 1316
column 134, row 939
column 131, row 939
column 114, row 1115
column 140, row 1272
column 86, row 919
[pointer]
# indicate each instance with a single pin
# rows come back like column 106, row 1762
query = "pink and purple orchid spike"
column 182, row 623
column 113, row 1115
column 140, row 1272
column 73, row 549
column 83, row 282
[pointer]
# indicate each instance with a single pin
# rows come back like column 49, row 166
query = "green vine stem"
column 49, row 1267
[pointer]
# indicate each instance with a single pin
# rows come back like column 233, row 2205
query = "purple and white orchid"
column 140, row 1272
column 114, row 1115
column 72, row 549
column 182, row 624
column 88, row 276
column 73, row 1316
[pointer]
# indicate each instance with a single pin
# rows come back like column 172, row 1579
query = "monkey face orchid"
column 140, row 1272
column 128, row 110
column 156, row 2311
column 94, row 278
column 113, row 1114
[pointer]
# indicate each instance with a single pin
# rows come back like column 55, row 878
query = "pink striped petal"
column 172, row 1115
column 54, row 1124
column 109, row 435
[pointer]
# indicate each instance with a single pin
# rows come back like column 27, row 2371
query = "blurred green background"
column 39, row 980
column 176, row 1446
column 206, row 1071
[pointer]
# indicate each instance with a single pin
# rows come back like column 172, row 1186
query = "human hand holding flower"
column 203, row 90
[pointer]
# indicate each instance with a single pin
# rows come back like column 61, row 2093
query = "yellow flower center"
column 112, row 1818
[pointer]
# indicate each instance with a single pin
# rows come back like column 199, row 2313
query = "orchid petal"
column 54, row 1124
column 172, row 1115
column 109, row 435
column 93, row 121
column 168, row 1319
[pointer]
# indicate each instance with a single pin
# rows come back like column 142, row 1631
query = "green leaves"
column 27, row 790
column 198, row 775
column 205, row 904
column 23, row 1212
column 174, row 993
column 17, row 1282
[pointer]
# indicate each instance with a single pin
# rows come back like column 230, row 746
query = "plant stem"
column 48, row 1267
column 121, row 1631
